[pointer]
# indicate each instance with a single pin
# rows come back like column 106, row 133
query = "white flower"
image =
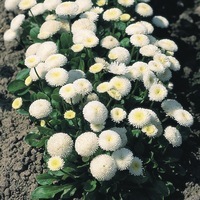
column 40, row 108
column 75, row 74
column 83, row 24
column 126, row 3
column 55, row 60
column 115, row 94
column 59, row 144
column 148, row 26
column 32, row 49
column 97, row 127
column 156, row 66
column 56, row 77
column 109, row 140
column 103, row 87
column 10, row 35
column 139, row 117
column 123, row 158
column 26, row 4
column 136, row 28
column 17, row 103
column 67, row 8
column 17, row 22
column 117, row 68
column 144, row 9
column 149, row 78
column 103, row 167
column 86, row 144
column 150, row 130
column 84, row 5
column 165, row 76
column 55, row 163
column 74, row 100
column 175, row 65
column 118, row 114
column 170, row 105
column 38, row 9
column 97, row 10
column 160, row 21
column 11, row 5
column 91, row 97
column 96, row 68
column 67, row 91
column 162, row 58
column 82, row 86
column 90, row 41
column 183, row 117
column 148, row 50
column 139, row 40
column 137, row 70
column 77, row 47
column 51, row 4
column 95, row 112
column 125, row 17
column 39, row 70
column 122, row 133
column 173, row 136
column 102, row 2
column 112, row 14
column 92, row 16
column 157, row 92
column 121, row 84
column 48, row 29
column 120, row 54
column 109, row 42
column 136, row 167
column 32, row 61
column 46, row 49
column 168, row 45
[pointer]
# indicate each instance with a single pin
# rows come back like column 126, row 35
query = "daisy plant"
column 96, row 82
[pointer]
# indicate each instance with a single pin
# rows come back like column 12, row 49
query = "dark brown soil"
column 20, row 163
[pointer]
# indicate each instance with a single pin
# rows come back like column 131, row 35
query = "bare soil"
column 20, row 163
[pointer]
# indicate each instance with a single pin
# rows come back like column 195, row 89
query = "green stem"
column 109, row 102
column 132, row 51
column 34, row 17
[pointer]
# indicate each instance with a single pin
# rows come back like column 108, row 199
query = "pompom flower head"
column 112, row 14
column 95, row 112
column 136, row 167
column 86, row 144
column 56, row 77
column 40, row 108
column 144, row 9
column 139, row 117
column 118, row 114
column 173, row 136
column 59, row 144
column 55, row 163
column 109, row 140
column 67, row 8
column 103, row 167
column 26, row 4
column 123, row 158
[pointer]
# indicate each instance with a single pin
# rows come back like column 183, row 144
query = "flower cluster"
column 99, row 82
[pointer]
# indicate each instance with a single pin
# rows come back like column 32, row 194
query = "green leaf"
column 41, row 95
column 34, row 33
column 69, row 192
column 90, row 185
column 45, row 131
column 45, row 179
column 16, row 86
column 136, row 132
column 35, row 139
column 120, row 26
column 23, row 74
column 82, row 65
column 125, row 42
column 47, row 192
column 23, row 112
column 65, row 40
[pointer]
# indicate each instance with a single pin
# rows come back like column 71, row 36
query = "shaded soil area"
column 20, row 163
